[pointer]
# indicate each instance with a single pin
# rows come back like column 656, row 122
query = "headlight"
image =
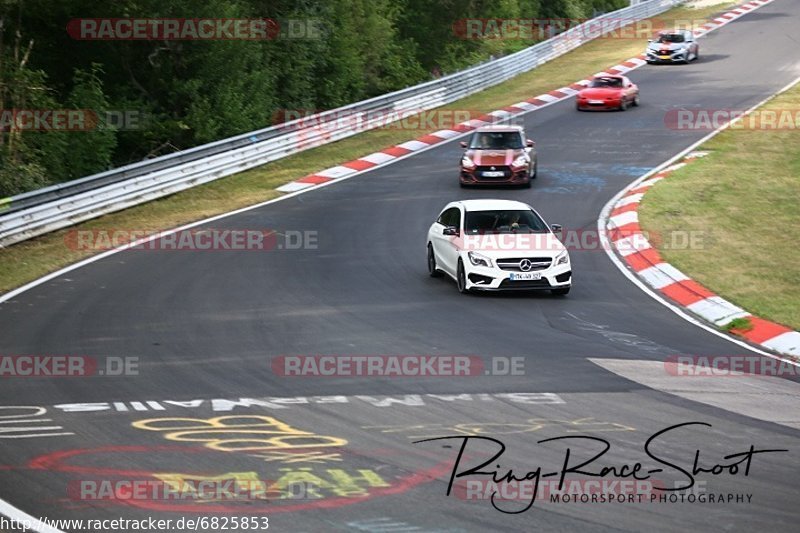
column 478, row 259
column 563, row 258
column 521, row 161
column 466, row 162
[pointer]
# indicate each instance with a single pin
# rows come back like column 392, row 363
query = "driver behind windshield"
column 496, row 141
column 607, row 82
column 670, row 38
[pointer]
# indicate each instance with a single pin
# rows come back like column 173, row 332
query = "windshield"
column 606, row 82
column 512, row 221
column 496, row 140
column 671, row 38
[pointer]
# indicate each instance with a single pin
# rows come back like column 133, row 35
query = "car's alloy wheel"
column 636, row 100
column 535, row 170
column 623, row 104
column 461, row 278
column 432, row 270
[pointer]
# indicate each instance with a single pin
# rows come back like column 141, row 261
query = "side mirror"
column 556, row 228
column 450, row 230
column 530, row 143
column 463, row 144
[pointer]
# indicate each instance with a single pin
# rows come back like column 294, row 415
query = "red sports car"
column 608, row 92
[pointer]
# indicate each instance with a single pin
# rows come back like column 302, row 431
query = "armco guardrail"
column 37, row 212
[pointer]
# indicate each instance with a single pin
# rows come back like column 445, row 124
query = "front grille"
column 481, row 169
column 512, row 263
column 526, row 284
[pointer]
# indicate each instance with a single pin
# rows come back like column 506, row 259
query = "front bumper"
column 481, row 278
column 510, row 177
column 678, row 56
column 607, row 105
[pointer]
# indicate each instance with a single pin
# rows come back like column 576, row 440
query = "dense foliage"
column 183, row 93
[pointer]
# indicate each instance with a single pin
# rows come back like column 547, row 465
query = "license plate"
column 523, row 276
column 595, row 101
column 663, row 57
column 493, row 174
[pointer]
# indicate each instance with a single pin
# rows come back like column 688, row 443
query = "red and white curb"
column 636, row 251
column 397, row 152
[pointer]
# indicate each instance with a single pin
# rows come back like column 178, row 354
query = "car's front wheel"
column 560, row 292
column 461, row 278
column 623, row 104
column 432, row 270
column 535, row 170
column 636, row 101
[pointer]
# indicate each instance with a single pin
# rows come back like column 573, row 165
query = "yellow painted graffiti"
column 238, row 433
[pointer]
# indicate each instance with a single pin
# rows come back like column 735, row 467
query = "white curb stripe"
column 475, row 123
column 413, row 145
column 717, row 310
column 676, row 166
column 649, row 183
column 336, row 172
column 630, row 199
column 501, row 114
column 547, row 98
column 524, row 105
column 788, row 342
column 445, row 134
column 378, row 158
column 295, row 186
column 661, row 275
column 624, row 218
column 631, row 245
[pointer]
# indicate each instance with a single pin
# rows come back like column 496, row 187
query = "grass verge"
column 34, row 258
column 744, row 200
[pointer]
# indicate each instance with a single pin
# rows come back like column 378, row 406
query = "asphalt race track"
column 208, row 325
